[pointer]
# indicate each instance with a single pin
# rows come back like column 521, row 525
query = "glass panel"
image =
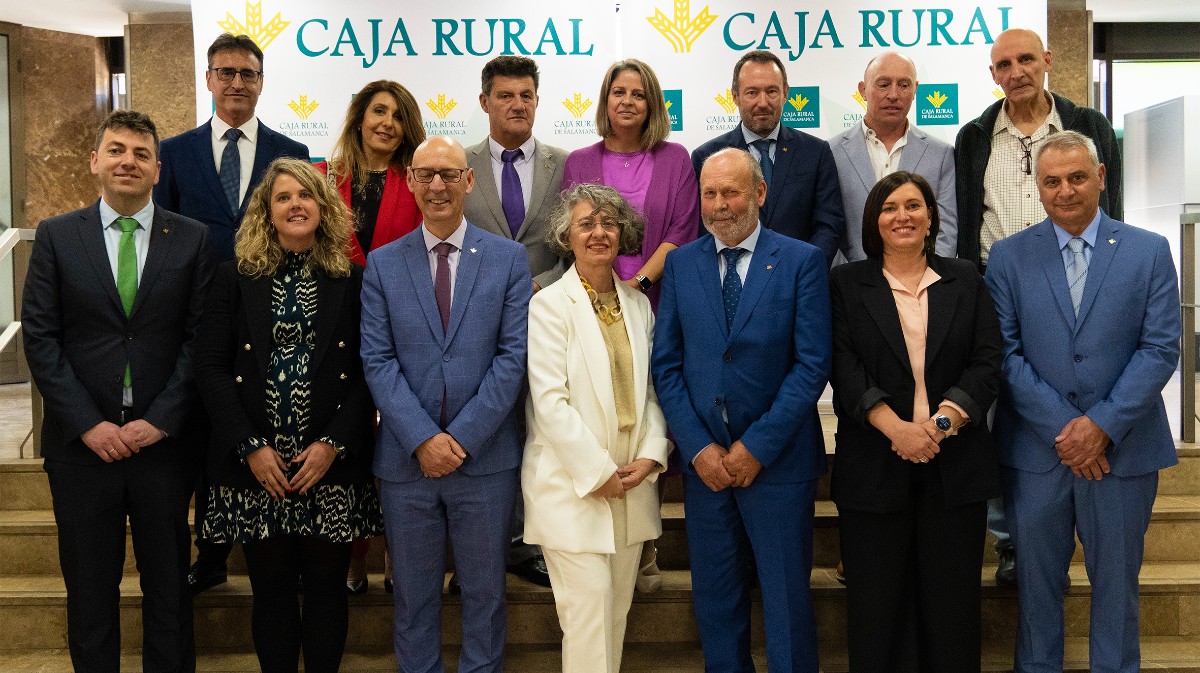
column 1140, row 84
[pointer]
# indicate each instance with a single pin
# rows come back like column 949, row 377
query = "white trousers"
column 592, row 593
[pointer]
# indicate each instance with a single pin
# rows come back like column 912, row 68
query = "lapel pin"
column 165, row 230
column 783, row 148
column 472, row 251
column 1112, row 241
column 769, row 267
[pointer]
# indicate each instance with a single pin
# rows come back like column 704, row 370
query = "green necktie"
column 127, row 281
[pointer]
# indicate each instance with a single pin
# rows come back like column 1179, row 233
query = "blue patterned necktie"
column 764, row 160
column 231, row 169
column 1077, row 272
column 511, row 197
column 731, row 286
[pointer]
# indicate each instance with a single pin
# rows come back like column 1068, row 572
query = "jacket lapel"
column 485, row 184
column 203, row 151
column 417, row 258
column 782, row 166
column 706, row 269
column 762, row 266
column 1048, row 256
column 943, row 307
column 881, row 306
column 914, row 149
column 158, row 250
column 1102, row 256
column 264, row 154
column 543, row 169
column 635, row 328
column 91, row 239
column 587, row 327
column 464, row 278
column 329, row 303
column 860, row 159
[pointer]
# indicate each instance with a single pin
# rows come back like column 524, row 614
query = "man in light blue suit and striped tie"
column 1089, row 310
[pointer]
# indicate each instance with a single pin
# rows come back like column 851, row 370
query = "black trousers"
column 91, row 505
column 912, row 583
column 277, row 566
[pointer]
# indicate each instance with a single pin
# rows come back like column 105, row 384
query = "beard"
column 731, row 230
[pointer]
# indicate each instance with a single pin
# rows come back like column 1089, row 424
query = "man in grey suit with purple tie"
column 443, row 344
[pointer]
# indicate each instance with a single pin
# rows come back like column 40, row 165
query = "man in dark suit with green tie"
column 111, row 303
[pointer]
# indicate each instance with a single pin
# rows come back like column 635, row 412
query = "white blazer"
column 571, row 415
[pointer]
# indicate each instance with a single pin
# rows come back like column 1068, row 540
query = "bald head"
column 888, row 88
column 1019, row 65
column 440, row 181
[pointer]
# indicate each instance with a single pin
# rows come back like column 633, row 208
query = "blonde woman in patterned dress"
column 278, row 366
column 597, row 439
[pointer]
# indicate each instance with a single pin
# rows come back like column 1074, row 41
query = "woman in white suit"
column 596, row 437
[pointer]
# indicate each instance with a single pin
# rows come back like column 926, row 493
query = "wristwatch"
column 942, row 421
column 644, row 282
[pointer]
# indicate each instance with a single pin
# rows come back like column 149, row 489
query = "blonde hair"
column 348, row 156
column 658, row 123
column 256, row 244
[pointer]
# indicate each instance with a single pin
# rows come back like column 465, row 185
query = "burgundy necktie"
column 441, row 281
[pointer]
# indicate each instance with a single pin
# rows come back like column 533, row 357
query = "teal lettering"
column 443, row 31
column 729, row 38
column 300, row 37
column 468, row 33
column 774, row 30
column 940, row 27
column 872, row 20
column 801, row 19
column 896, row 27
column 826, row 29
column 549, row 34
column 512, row 37
column 575, row 43
column 347, row 37
column 374, row 42
column 403, row 33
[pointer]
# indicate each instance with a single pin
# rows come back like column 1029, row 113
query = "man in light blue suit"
column 738, row 368
column 885, row 142
column 1089, row 310
column 443, row 347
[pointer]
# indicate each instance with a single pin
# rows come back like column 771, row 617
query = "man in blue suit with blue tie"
column 1089, row 310
column 207, row 174
column 443, row 346
column 741, row 354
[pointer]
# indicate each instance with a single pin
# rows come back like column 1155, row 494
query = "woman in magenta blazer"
column 633, row 155
column 368, row 164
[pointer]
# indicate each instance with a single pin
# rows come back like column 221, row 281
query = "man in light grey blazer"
column 516, row 193
column 886, row 142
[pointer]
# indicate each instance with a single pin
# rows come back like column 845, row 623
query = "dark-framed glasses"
column 448, row 175
column 1027, row 160
column 227, row 74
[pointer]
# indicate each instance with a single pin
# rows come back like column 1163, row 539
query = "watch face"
column 943, row 423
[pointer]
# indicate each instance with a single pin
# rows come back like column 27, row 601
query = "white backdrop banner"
column 317, row 54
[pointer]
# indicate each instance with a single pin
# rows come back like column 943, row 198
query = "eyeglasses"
column 1027, row 160
column 227, row 74
column 448, row 175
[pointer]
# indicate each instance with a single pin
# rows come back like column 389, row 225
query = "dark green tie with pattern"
column 127, row 281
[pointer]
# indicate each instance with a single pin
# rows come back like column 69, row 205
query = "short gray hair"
column 756, row 174
column 1065, row 141
column 602, row 197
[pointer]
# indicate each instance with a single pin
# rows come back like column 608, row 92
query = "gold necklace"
column 604, row 313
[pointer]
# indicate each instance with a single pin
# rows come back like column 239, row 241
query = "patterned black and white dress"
column 334, row 512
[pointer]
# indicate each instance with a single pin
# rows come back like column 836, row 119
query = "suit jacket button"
column 246, row 347
column 238, row 379
column 341, row 344
column 338, row 407
column 717, row 401
column 1071, row 395
column 129, row 335
column 343, row 376
column 1079, row 358
column 728, row 357
column 445, row 358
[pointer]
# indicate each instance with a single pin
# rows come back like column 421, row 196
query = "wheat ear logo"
column 861, row 101
column 577, row 106
column 263, row 35
column 304, row 108
column 937, row 98
column 683, row 29
column 441, row 107
column 798, row 102
column 998, row 92
column 726, row 101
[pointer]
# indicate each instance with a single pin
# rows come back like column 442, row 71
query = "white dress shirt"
column 523, row 164
column 246, row 148
column 455, row 239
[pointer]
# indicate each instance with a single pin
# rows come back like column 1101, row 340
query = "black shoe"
column 532, row 570
column 1006, row 572
column 387, row 585
column 203, row 576
column 452, row 586
column 356, row 587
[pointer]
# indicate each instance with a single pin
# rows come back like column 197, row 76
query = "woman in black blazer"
column 277, row 363
column 915, row 463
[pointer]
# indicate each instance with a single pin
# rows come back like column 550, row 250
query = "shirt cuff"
column 249, row 446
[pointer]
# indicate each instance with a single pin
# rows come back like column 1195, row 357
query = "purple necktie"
column 511, row 196
column 441, row 281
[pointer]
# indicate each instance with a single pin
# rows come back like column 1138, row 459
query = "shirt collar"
column 144, row 217
column 456, row 239
column 249, row 129
column 751, row 136
column 495, row 148
column 1004, row 122
column 747, row 245
column 1088, row 235
column 870, row 134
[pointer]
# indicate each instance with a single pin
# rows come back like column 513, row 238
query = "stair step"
column 1178, row 654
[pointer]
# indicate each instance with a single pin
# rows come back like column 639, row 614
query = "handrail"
column 1187, row 301
column 9, row 238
